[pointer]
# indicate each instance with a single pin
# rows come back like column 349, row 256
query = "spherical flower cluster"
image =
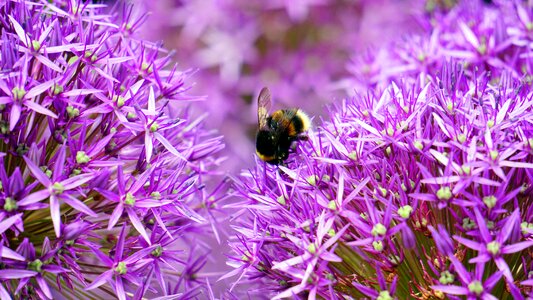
column 418, row 187
column 493, row 38
column 103, row 189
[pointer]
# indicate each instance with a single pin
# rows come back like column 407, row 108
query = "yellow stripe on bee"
column 264, row 157
column 306, row 121
column 292, row 130
column 278, row 115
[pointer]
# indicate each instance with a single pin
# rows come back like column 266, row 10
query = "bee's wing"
column 263, row 107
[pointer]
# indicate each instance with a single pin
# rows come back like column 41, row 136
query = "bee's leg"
column 302, row 137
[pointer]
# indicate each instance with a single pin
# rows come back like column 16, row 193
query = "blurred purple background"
column 305, row 51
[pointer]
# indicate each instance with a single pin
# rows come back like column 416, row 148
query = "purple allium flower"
column 426, row 171
column 96, row 131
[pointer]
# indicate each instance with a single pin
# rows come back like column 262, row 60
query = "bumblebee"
column 278, row 131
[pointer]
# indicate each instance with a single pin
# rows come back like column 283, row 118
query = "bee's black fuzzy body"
column 278, row 131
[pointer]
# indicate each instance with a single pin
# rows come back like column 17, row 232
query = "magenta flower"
column 473, row 286
column 122, row 269
column 26, row 265
column 495, row 248
column 57, row 189
column 91, row 140
column 426, row 171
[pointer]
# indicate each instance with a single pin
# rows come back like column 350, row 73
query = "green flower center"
column 82, row 157
column 131, row 115
column 405, row 211
column 461, row 138
column 58, row 89
column 58, row 188
column 146, row 67
column 384, row 295
column 281, row 200
column 468, row 224
column 377, row 245
column 524, row 226
column 493, row 247
column 121, row 268
column 18, row 93
column 444, row 193
column 154, row 127
column 390, row 131
column 446, row 277
column 466, row 170
column 130, row 199
column 119, row 100
column 311, row 248
column 312, row 179
column 353, row 155
column 36, row 45
column 475, row 287
column 72, row 111
column 490, row 201
column 10, row 204
column 383, row 191
column 36, row 265
column 379, row 229
column 494, row 154
column 482, row 49
column 332, row 205
column 158, row 251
